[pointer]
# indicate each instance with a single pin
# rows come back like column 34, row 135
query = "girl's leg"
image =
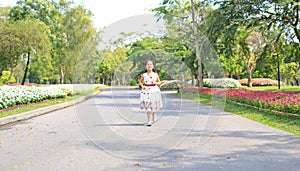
column 154, row 117
column 149, row 118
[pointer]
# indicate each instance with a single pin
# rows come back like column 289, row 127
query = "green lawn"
column 284, row 122
column 33, row 106
column 290, row 89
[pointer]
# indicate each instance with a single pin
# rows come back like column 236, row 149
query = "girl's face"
column 149, row 66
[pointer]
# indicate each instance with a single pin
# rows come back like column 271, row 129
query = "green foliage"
column 68, row 38
column 87, row 66
column 165, row 52
column 163, row 75
column 133, row 82
column 11, row 44
column 5, row 77
column 283, row 88
column 41, row 69
column 262, row 13
column 4, row 13
column 21, row 38
column 110, row 64
column 277, row 27
column 182, row 34
column 291, row 71
column 78, row 35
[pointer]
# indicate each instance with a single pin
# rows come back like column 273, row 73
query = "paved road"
column 107, row 132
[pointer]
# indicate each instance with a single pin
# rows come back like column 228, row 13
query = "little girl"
column 150, row 95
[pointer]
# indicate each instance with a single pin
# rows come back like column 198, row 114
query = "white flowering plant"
column 221, row 83
column 15, row 95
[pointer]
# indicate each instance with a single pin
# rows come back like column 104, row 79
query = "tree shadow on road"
column 122, row 124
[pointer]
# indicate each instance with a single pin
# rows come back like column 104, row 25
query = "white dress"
column 150, row 99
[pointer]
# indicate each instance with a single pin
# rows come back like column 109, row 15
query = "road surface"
column 107, row 132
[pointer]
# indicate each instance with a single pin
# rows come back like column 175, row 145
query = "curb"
column 44, row 110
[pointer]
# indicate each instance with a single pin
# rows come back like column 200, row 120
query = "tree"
column 265, row 15
column 35, row 40
column 87, row 65
column 79, row 30
column 164, row 51
column 70, row 26
column 20, row 39
column 110, row 63
column 283, row 14
column 146, row 48
column 188, row 13
column 291, row 68
column 41, row 69
column 200, row 81
column 45, row 11
column 11, row 46
column 250, row 45
column 180, row 54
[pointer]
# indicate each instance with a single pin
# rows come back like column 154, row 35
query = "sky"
column 107, row 12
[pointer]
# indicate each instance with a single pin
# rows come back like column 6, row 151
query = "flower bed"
column 15, row 95
column 284, row 102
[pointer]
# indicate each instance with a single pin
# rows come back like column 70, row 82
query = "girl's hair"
column 152, row 63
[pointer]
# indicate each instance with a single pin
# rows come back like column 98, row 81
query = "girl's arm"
column 141, row 82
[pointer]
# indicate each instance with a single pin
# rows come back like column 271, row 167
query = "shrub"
column 5, row 76
column 133, row 82
column 221, row 83
column 260, row 82
column 68, row 91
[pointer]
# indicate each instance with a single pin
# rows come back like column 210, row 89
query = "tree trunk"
column 123, row 80
column 296, row 80
column 193, row 81
column 249, row 79
column 26, row 68
column 181, row 74
column 297, row 34
column 249, row 72
column 296, row 29
column 200, row 81
column 62, row 76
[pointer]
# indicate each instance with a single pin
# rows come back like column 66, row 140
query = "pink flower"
column 279, row 101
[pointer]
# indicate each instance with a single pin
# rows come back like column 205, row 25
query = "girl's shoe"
column 149, row 124
column 154, row 120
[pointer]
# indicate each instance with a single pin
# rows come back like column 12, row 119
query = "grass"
column 289, row 89
column 283, row 122
column 25, row 108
